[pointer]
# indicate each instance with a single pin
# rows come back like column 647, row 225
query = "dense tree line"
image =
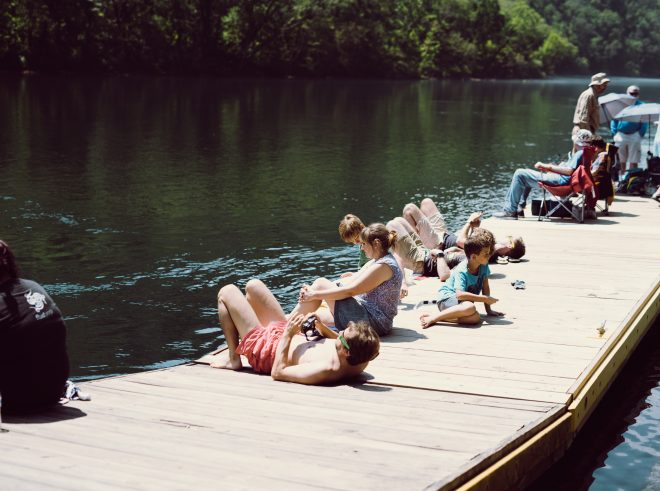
column 403, row 38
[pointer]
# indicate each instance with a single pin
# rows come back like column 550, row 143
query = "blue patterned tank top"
column 382, row 302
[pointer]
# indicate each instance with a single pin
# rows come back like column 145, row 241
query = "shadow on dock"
column 52, row 415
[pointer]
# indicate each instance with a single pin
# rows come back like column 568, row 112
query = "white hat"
column 582, row 138
column 599, row 79
column 633, row 90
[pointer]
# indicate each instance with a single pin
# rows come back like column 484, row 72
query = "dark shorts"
column 448, row 302
column 430, row 266
column 347, row 310
column 449, row 240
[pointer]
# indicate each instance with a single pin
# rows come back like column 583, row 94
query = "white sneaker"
column 73, row 392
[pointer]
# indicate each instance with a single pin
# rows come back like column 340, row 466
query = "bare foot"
column 426, row 321
column 222, row 360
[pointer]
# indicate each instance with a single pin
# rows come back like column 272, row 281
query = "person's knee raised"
column 427, row 203
column 473, row 319
column 253, row 285
column 470, row 308
column 391, row 225
column 410, row 210
column 319, row 282
column 225, row 291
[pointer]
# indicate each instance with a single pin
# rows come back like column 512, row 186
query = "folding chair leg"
column 581, row 220
column 605, row 209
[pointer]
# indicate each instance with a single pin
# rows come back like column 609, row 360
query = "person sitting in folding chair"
column 580, row 186
column 524, row 180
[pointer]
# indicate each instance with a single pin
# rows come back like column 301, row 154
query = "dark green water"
column 133, row 199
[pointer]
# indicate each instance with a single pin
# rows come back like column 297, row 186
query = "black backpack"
column 633, row 182
column 653, row 164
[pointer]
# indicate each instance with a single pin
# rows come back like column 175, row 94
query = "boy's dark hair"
column 517, row 248
column 363, row 341
column 8, row 266
column 598, row 142
column 479, row 240
column 350, row 228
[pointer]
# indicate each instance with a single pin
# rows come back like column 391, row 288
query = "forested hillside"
column 357, row 38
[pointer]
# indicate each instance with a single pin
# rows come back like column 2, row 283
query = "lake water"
column 132, row 200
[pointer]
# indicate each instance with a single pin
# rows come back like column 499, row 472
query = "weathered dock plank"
column 193, row 424
column 443, row 407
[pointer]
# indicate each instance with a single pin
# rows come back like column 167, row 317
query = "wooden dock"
column 489, row 407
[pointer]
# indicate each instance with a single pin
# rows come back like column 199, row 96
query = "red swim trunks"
column 260, row 346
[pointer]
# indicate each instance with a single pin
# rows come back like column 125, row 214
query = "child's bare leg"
column 237, row 318
column 464, row 310
column 427, row 319
column 470, row 319
column 263, row 302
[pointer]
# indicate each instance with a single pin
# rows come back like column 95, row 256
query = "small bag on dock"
column 633, row 182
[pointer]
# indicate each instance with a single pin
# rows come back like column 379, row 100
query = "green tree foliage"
column 402, row 38
column 617, row 36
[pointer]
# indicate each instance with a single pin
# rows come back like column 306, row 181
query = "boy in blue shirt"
column 467, row 284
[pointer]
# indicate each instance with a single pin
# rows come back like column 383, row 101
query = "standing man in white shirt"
column 628, row 136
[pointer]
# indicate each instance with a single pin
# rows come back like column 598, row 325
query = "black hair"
column 8, row 266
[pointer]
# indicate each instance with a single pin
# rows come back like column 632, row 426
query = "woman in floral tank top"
column 372, row 294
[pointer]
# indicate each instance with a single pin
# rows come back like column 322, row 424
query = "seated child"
column 465, row 285
column 349, row 231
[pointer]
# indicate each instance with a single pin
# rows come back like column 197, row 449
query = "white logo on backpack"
column 36, row 300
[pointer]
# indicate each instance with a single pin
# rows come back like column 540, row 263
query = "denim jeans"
column 521, row 185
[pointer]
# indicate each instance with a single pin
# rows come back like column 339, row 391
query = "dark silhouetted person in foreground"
column 34, row 364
